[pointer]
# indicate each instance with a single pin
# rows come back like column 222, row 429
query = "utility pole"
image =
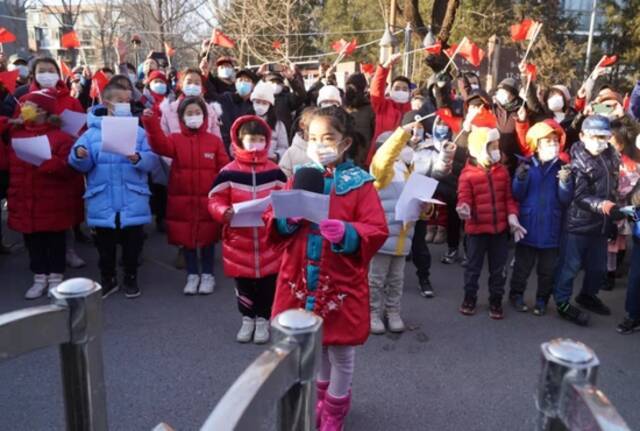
column 592, row 26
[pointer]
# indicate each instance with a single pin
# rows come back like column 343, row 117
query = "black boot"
column 131, row 289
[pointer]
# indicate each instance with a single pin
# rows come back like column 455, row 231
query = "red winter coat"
column 246, row 251
column 45, row 198
column 197, row 158
column 488, row 194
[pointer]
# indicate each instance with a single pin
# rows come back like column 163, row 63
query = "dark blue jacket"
column 634, row 102
column 543, row 200
column 233, row 107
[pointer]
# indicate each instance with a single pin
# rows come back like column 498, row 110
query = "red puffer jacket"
column 488, row 194
column 64, row 100
column 246, row 251
column 197, row 157
column 45, row 198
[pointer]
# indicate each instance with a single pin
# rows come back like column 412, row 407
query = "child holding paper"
column 247, row 255
column 45, row 194
column 117, row 196
column 324, row 267
column 197, row 158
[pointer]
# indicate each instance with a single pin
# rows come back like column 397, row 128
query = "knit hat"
column 329, row 93
column 478, row 140
column 563, row 90
column 509, row 84
column 263, row 91
column 45, row 99
column 156, row 74
column 538, row 131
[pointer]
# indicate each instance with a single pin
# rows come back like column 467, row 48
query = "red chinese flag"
column 485, row 118
column 220, row 39
column 6, row 36
column 608, row 60
column 367, row 68
column 434, row 49
column 70, row 40
column 524, row 31
column 471, row 52
column 532, row 71
column 344, row 46
column 66, row 72
column 451, row 50
column 454, row 123
column 8, row 80
column 276, row 44
column 168, row 50
column 626, row 102
column 98, row 82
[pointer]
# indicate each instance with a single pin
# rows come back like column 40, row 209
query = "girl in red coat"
column 197, row 158
column 247, row 255
column 44, row 200
column 324, row 267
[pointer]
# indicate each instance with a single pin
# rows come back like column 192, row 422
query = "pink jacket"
column 170, row 123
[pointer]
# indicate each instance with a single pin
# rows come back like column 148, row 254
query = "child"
column 263, row 99
column 156, row 90
column 117, row 196
column 197, row 158
column 44, row 200
column 488, row 209
column 542, row 186
column 324, row 267
column 247, row 256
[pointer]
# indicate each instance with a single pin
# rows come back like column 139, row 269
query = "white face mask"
column 323, row 155
column 225, row 72
column 494, row 156
column 192, row 90
column 555, row 103
column 47, row 80
column 260, row 109
column 502, row 97
column 595, row 146
column 399, row 96
column 548, row 153
column 121, row 109
column 194, row 121
column 158, row 87
column 406, row 155
column 253, row 147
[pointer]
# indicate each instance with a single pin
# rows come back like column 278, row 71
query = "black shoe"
column 495, row 308
column 610, row 283
column 573, row 314
column 450, row 257
column 425, row 288
column 517, row 301
column 109, row 286
column 594, row 304
column 4, row 248
column 540, row 309
column 628, row 326
column 468, row 307
column 131, row 289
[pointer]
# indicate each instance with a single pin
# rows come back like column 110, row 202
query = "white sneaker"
column 377, row 325
column 191, row 288
column 73, row 260
column 54, row 280
column 261, row 335
column 395, row 322
column 207, row 284
column 38, row 287
column 246, row 330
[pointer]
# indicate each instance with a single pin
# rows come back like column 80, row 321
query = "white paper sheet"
column 32, row 150
column 249, row 213
column 72, row 121
column 300, row 203
column 119, row 135
column 419, row 189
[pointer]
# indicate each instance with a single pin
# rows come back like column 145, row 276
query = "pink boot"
column 321, row 390
column 334, row 412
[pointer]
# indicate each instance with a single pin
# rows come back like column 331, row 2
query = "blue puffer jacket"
column 114, row 184
column 543, row 200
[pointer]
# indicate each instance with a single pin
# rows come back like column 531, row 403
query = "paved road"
column 170, row 358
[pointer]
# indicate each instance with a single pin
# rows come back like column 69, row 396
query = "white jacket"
column 295, row 155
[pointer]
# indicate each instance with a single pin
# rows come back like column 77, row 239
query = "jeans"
column 386, row 281
column 420, row 252
column 632, row 302
column 496, row 247
column 525, row 260
column 577, row 252
column 131, row 238
column 255, row 295
column 46, row 252
column 206, row 259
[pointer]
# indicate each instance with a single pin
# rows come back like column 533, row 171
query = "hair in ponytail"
column 343, row 122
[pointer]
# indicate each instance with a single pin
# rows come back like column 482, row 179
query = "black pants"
column 454, row 225
column 131, row 238
column 158, row 201
column 526, row 257
column 46, row 252
column 420, row 251
column 496, row 247
column 255, row 295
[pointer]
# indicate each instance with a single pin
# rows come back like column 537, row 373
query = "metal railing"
column 568, row 398
column 73, row 321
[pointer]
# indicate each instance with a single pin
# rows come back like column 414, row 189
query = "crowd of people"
column 553, row 174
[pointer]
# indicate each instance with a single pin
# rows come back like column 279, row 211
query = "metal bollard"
column 296, row 409
column 81, row 357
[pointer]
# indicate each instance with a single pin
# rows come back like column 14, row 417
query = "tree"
column 107, row 16
column 623, row 39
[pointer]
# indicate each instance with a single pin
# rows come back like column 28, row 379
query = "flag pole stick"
column 533, row 39
column 464, row 39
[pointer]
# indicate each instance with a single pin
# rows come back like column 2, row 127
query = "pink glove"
column 332, row 230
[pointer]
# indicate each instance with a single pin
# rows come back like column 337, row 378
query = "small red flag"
column 367, row 68
column 532, row 71
column 6, row 36
column 344, row 46
column 454, row 123
column 434, row 49
column 98, row 82
column 626, row 102
column 168, row 50
column 8, row 80
column 276, row 44
column 220, row 39
column 70, row 40
column 66, row 72
column 524, row 31
column 469, row 51
column 485, row 118
column 608, row 60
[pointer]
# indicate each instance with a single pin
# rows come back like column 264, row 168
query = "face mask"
column 323, row 155
column 28, row 113
column 47, row 80
column 194, row 121
column 440, row 132
column 260, row 109
column 546, row 154
column 244, row 88
column 399, row 96
column 23, row 71
column 158, row 87
column 253, row 147
column 121, row 109
column 406, row 155
column 595, row 146
column 494, row 156
column 502, row 97
column 132, row 78
column 192, row 90
column 225, row 73
column 555, row 103
column 277, row 89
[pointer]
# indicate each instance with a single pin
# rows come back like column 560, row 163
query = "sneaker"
column 395, row 323
column 426, row 289
column 517, row 301
column 261, row 335
column 441, row 235
column 540, row 309
column 207, row 284
column 54, row 280
column 450, row 257
column 468, row 307
column 191, row 288
column 246, row 330
column 109, row 285
column 377, row 325
column 431, row 233
column 73, row 260
column 628, row 326
column 495, row 309
column 594, row 304
column 573, row 314
column 131, row 289
column 38, row 287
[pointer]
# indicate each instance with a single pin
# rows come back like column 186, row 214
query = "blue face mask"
column 441, row 132
column 158, row 87
column 121, row 109
column 244, row 88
